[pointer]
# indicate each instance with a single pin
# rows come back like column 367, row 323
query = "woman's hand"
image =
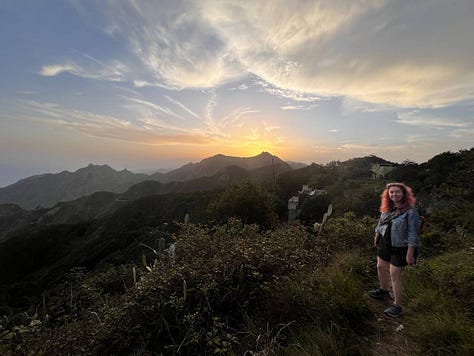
column 376, row 239
column 410, row 258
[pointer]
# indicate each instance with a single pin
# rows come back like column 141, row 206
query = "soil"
column 391, row 336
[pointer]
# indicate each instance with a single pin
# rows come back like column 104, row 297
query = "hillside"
column 210, row 166
column 46, row 190
column 237, row 287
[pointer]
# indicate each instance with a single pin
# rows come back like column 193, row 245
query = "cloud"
column 403, row 54
column 414, row 118
column 236, row 117
column 149, row 109
column 56, row 69
column 298, row 107
column 142, row 84
column 90, row 68
column 106, row 126
column 350, row 106
column 240, row 87
column 254, row 135
column 182, row 106
column 270, row 128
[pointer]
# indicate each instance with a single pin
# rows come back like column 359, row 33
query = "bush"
column 248, row 202
column 440, row 293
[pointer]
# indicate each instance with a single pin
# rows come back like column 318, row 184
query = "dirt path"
column 391, row 335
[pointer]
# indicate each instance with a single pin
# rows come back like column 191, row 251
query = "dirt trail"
column 391, row 335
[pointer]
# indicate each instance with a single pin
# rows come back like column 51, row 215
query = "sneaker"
column 394, row 311
column 379, row 293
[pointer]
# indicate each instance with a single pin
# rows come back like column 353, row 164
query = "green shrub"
column 440, row 295
column 250, row 203
column 444, row 333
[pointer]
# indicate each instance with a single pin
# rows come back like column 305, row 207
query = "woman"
column 396, row 238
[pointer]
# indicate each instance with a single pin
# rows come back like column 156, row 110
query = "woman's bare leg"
column 397, row 287
column 383, row 271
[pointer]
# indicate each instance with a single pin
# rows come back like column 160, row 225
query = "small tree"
column 251, row 203
column 313, row 208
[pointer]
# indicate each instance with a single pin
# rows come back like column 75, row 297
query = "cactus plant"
column 161, row 244
column 185, row 289
column 134, row 274
column 329, row 211
column 4, row 321
column 144, row 263
column 319, row 227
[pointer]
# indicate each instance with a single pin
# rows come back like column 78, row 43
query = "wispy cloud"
column 367, row 49
column 269, row 128
column 350, row 106
column 105, row 126
column 415, row 118
column 236, row 117
column 90, row 68
column 298, row 107
column 148, row 109
column 287, row 93
column 182, row 106
column 362, row 148
column 56, row 69
column 240, row 87
column 254, row 135
column 142, row 84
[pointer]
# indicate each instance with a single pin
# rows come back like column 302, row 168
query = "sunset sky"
column 156, row 84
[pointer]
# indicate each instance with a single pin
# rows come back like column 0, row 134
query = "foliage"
column 440, row 293
column 250, row 203
column 245, row 285
column 313, row 208
column 222, row 281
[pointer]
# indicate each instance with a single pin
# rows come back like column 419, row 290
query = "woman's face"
column 395, row 194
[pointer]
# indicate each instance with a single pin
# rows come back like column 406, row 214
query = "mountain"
column 296, row 165
column 46, row 190
column 14, row 219
column 210, row 166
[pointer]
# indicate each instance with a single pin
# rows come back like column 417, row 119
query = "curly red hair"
column 408, row 200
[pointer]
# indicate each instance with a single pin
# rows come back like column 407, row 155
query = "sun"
column 247, row 148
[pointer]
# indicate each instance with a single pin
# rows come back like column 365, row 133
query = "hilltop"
column 46, row 190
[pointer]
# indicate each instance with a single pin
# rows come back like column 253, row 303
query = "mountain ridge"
column 47, row 189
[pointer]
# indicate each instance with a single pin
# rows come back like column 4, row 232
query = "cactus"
column 161, row 244
column 329, row 212
column 319, row 227
column 47, row 321
column 145, row 265
column 134, row 274
column 185, row 289
column 43, row 295
column 4, row 321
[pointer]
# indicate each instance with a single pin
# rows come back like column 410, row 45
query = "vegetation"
column 233, row 280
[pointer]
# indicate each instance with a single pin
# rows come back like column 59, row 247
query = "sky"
column 143, row 84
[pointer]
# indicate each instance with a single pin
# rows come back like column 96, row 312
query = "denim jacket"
column 405, row 228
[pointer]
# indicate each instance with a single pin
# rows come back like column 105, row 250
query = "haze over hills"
column 102, row 204
column 46, row 190
column 210, row 166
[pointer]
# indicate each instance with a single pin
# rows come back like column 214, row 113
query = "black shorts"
column 397, row 256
